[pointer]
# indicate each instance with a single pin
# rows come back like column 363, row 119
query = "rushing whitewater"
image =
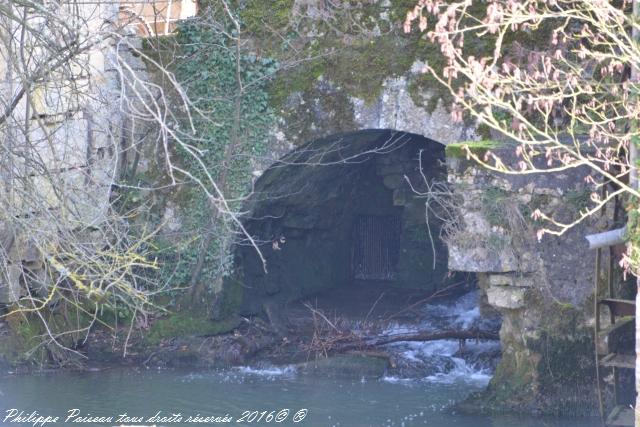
column 445, row 361
column 442, row 361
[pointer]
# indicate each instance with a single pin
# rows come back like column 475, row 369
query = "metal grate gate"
column 376, row 246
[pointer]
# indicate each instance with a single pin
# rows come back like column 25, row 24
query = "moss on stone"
column 494, row 200
column 317, row 101
column 262, row 17
column 398, row 9
column 484, row 131
column 579, row 200
column 24, row 343
column 514, row 378
column 23, row 337
column 231, row 298
column 562, row 385
column 355, row 51
column 498, row 242
column 361, row 70
column 347, row 57
column 532, row 375
column 188, row 323
column 479, row 148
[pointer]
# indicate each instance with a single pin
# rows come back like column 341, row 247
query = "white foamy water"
column 271, row 371
column 464, row 313
column 463, row 372
column 439, row 361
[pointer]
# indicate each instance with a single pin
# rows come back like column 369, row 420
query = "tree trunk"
column 357, row 343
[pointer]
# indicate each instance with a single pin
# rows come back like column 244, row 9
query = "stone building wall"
column 543, row 289
column 60, row 141
column 74, row 130
column 156, row 17
column 372, row 80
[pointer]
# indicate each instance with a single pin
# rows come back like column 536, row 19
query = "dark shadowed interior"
column 344, row 212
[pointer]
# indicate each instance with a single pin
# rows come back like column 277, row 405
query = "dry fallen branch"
column 349, row 341
column 328, row 338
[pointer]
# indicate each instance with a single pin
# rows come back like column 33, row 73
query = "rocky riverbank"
column 253, row 342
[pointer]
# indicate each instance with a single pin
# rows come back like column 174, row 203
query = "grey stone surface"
column 506, row 297
column 10, row 288
column 395, row 109
column 543, row 289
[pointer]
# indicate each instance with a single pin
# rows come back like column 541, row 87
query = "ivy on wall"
column 227, row 85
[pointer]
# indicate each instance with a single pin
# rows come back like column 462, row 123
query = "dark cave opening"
column 342, row 217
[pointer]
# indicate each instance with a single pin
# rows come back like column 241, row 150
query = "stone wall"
column 543, row 289
column 73, row 134
column 346, row 67
column 60, row 142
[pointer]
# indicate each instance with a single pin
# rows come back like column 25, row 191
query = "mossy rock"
column 536, row 379
column 261, row 17
column 350, row 366
column 188, row 324
column 26, row 342
column 478, row 148
column 22, row 337
column 494, row 202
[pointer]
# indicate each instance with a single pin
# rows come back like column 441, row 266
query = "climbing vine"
column 227, row 85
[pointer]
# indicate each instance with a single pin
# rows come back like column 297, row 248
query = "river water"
column 431, row 377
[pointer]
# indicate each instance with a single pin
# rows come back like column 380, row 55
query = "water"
column 431, row 377
column 444, row 361
column 330, row 402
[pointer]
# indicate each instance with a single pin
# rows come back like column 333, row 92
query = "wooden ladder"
column 615, row 344
column 616, row 351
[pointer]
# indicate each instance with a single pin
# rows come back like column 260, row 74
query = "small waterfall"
column 441, row 362
column 445, row 361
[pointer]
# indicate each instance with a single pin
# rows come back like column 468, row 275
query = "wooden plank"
column 620, row 307
column 621, row 328
column 621, row 416
column 625, row 361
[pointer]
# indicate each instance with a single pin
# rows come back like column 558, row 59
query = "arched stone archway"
column 341, row 211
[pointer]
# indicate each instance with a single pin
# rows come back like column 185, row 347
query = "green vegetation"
column 232, row 127
column 27, row 343
column 479, row 148
column 493, row 206
column 187, row 323
column 353, row 50
column 359, row 69
column 24, row 337
column 362, row 69
column 633, row 232
column 262, row 17
column 578, row 199
column 538, row 369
